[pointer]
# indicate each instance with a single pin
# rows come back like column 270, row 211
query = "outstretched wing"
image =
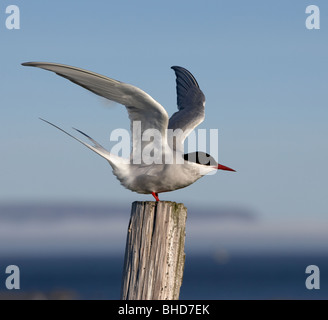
column 191, row 106
column 144, row 111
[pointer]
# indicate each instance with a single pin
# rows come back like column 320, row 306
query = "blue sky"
column 263, row 73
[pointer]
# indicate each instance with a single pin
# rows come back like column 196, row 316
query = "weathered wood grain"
column 154, row 254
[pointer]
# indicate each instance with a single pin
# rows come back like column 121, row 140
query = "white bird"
column 173, row 169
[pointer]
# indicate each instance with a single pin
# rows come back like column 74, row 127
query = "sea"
column 242, row 277
column 77, row 252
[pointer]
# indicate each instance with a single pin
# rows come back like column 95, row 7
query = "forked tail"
column 97, row 148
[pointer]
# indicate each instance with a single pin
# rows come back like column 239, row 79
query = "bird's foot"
column 155, row 195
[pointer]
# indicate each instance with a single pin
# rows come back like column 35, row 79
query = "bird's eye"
column 200, row 158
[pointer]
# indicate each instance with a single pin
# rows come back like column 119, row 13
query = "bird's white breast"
column 159, row 177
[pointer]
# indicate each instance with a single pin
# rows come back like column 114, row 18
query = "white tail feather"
column 97, row 148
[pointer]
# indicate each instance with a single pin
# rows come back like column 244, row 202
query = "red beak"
column 221, row 167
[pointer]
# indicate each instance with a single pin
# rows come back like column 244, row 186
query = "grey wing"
column 142, row 108
column 191, row 108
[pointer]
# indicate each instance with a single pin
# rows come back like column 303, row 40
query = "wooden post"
column 154, row 254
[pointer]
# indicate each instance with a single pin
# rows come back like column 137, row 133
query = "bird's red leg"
column 155, row 195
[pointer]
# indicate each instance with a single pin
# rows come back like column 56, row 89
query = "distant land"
column 33, row 210
column 75, row 229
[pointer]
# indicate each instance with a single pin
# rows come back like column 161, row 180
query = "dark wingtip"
column 177, row 68
column 185, row 74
